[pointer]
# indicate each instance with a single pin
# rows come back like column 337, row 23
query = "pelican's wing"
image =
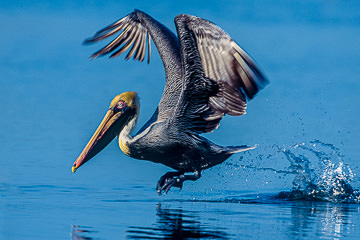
column 131, row 34
column 217, row 75
column 134, row 32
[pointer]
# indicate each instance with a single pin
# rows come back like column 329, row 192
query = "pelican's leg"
column 174, row 179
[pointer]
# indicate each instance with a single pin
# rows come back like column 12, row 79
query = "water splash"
column 328, row 181
column 319, row 169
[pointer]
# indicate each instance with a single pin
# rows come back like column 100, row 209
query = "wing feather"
column 149, row 47
column 135, row 46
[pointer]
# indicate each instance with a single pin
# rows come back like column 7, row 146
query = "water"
column 301, row 182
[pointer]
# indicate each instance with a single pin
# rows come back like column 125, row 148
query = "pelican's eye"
column 120, row 105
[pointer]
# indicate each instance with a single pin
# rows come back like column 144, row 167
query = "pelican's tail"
column 237, row 149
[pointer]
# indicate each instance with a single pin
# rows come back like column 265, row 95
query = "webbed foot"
column 174, row 179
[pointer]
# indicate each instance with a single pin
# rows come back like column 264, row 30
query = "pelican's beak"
column 110, row 126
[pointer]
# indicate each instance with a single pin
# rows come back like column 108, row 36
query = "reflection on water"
column 326, row 218
column 81, row 232
column 236, row 219
column 171, row 223
column 176, row 224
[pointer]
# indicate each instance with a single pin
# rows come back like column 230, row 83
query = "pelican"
column 207, row 74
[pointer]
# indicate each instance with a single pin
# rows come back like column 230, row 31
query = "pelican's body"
column 207, row 76
column 182, row 151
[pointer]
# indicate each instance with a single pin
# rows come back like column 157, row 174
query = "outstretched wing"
column 134, row 33
column 218, row 75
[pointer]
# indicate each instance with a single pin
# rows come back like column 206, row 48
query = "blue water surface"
column 301, row 182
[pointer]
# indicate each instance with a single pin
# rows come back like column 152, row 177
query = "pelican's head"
column 123, row 108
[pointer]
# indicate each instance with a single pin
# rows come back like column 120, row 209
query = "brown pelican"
column 207, row 76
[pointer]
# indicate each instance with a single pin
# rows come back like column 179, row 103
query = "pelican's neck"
column 125, row 137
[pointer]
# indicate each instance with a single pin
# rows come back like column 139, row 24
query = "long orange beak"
column 109, row 127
